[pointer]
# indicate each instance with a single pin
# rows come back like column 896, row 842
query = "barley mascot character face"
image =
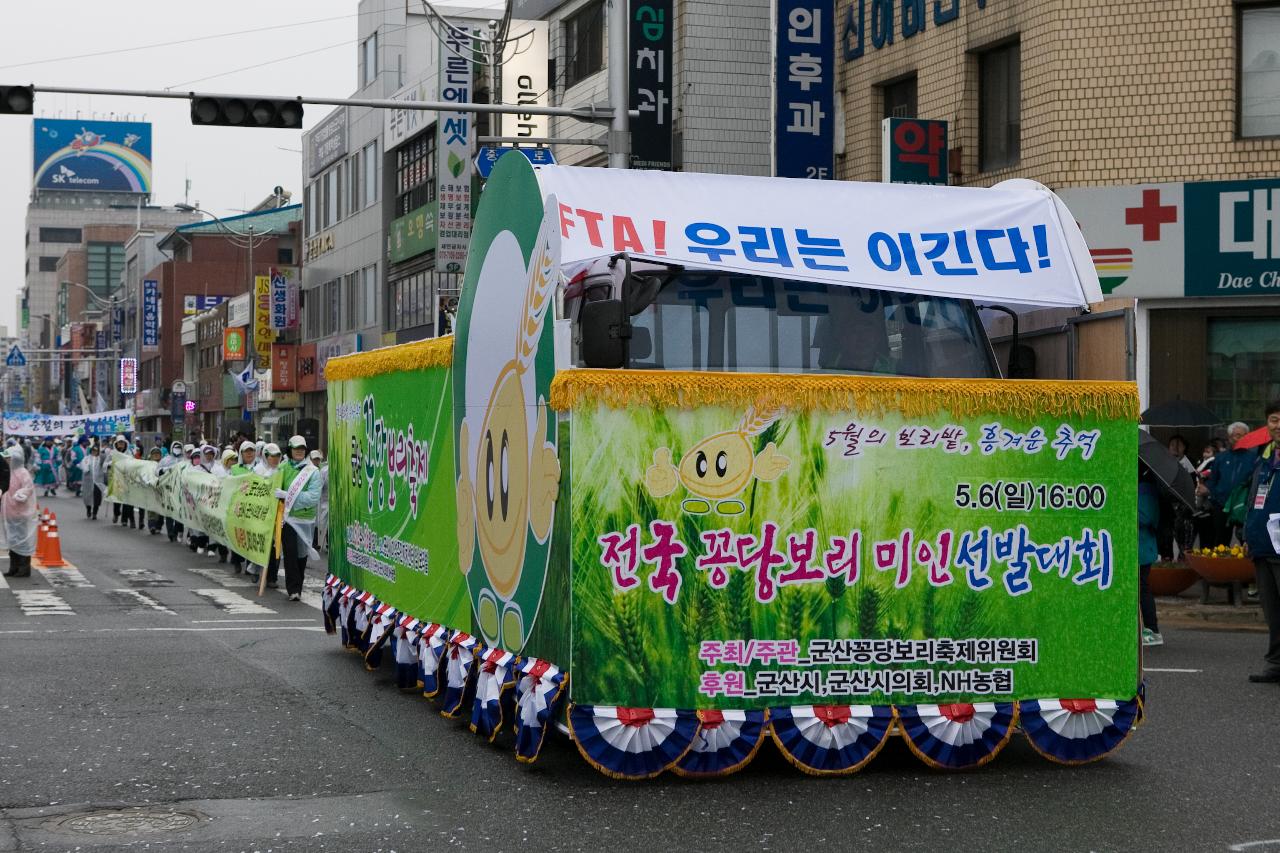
column 508, row 469
column 716, row 470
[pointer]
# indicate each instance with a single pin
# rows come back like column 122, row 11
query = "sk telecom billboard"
column 97, row 156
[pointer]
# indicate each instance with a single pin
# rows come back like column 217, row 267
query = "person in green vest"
column 300, row 491
column 244, row 465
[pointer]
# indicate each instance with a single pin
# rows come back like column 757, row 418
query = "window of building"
column 371, row 295
column 1244, row 366
column 284, row 255
column 584, row 43
column 411, row 301
column 369, row 60
column 331, row 193
column 332, row 307
column 999, row 107
column 60, row 235
column 900, row 98
column 312, row 324
column 355, row 201
column 104, row 263
column 416, row 172
column 48, row 264
column 1259, row 39
column 352, row 303
column 370, row 158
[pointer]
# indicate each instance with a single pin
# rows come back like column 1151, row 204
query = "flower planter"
column 1172, row 579
column 1222, row 569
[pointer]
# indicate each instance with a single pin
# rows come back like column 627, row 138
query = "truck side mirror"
column 605, row 330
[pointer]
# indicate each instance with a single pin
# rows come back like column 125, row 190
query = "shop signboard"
column 454, row 136
column 1210, row 238
column 650, row 81
column 284, row 367
column 233, row 344
column 412, row 234
column 805, row 81
column 328, row 142
column 307, row 370
column 150, row 315
column 913, row 151
column 525, row 80
column 263, row 335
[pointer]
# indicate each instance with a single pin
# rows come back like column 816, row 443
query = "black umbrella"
column 1180, row 413
column 1168, row 470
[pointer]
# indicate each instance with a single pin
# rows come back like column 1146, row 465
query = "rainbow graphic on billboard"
column 1113, row 266
column 92, row 156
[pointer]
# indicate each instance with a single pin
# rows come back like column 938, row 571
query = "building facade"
column 1155, row 124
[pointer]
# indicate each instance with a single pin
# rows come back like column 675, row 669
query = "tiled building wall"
column 1112, row 93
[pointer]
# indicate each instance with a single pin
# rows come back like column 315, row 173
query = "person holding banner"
column 321, row 539
column 269, row 466
column 120, row 513
column 197, row 541
column 19, row 509
column 300, row 491
column 174, row 459
column 244, row 465
column 94, row 467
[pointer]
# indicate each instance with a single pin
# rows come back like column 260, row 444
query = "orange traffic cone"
column 43, row 535
column 53, row 546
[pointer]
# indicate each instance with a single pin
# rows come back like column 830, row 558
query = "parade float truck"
column 712, row 460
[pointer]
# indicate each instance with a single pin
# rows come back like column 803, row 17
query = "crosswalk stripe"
column 65, row 578
column 220, row 577
column 231, row 602
column 143, row 577
column 141, row 599
column 40, row 602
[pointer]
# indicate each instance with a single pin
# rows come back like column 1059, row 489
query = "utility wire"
column 119, row 50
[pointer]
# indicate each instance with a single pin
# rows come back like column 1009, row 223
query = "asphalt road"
column 238, row 724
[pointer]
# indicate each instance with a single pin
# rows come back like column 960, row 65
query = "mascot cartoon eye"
column 700, row 464
column 505, row 492
column 488, row 470
column 722, row 463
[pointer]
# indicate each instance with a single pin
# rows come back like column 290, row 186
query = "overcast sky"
column 229, row 169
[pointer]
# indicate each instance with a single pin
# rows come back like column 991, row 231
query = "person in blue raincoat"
column 46, row 476
column 75, row 475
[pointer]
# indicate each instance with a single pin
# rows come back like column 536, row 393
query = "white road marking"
column 4, row 583
column 68, row 577
column 254, row 621
column 1154, row 669
column 143, row 577
column 220, row 577
column 1249, row 845
column 39, row 602
column 231, row 602
column 141, row 599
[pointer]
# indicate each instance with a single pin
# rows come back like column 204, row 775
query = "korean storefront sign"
column 284, row 297
column 150, row 315
column 651, row 26
column 804, row 126
column 1212, row 238
column 263, row 335
column 454, row 136
column 412, row 234
column 913, row 151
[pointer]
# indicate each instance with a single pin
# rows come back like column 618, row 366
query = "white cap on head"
column 271, row 449
column 187, row 448
column 315, row 454
column 176, row 446
column 247, row 445
column 194, row 453
column 297, row 441
column 228, row 454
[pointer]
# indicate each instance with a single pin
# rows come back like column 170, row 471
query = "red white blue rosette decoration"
column 539, row 686
column 459, row 656
column 830, row 739
column 726, row 742
column 431, row 645
column 404, row 649
column 1077, row 731
column 346, row 614
column 493, row 676
column 329, row 603
column 631, row 743
column 361, row 619
column 959, row 735
column 380, row 624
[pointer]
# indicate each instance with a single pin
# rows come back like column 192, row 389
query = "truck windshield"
column 728, row 322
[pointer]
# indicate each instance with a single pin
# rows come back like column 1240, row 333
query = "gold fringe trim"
column 433, row 352
column 622, row 389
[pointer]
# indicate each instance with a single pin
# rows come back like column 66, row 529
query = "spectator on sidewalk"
column 1263, row 503
column 1148, row 524
column 1230, row 472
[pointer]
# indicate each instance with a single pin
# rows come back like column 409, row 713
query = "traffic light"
column 16, row 100
column 246, row 112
